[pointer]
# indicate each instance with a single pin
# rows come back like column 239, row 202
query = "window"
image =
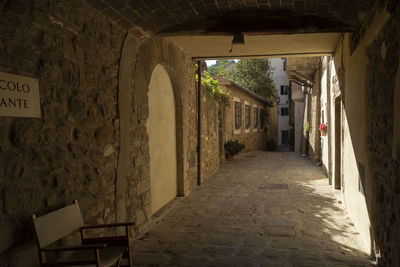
column 284, row 111
column 285, row 137
column 238, row 115
column 255, row 117
column 284, row 90
column 284, row 64
column 247, row 116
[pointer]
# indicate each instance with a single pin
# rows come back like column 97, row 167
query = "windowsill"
column 236, row 132
column 247, row 130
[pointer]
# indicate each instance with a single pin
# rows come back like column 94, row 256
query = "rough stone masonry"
column 71, row 152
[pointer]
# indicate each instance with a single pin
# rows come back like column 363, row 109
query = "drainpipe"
column 198, row 123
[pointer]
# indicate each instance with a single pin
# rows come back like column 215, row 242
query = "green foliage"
column 255, row 74
column 307, row 126
column 212, row 87
column 233, row 147
column 218, row 70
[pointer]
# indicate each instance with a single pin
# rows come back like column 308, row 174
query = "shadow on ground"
column 262, row 209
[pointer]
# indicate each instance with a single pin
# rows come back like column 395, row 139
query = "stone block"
column 109, row 149
column 144, row 171
column 15, row 166
column 21, row 198
column 51, row 201
column 140, row 160
column 140, row 217
column 5, row 143
column 146, row 198
column 143, row 186
column 23, row 255
column 9, row 233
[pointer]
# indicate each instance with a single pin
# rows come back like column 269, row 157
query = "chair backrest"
column 57, row 224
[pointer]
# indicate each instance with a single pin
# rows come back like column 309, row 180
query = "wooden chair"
column 93, row 251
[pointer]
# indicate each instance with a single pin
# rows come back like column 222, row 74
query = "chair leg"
column 119, row 260
column 130, row 256
column 129, row 246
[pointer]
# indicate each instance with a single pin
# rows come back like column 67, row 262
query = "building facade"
column 247, row 118
column 280, row 78
column 297, row 116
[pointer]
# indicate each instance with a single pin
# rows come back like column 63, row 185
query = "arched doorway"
column 161, row 129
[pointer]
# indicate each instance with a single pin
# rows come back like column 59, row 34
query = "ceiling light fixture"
column 238, row 39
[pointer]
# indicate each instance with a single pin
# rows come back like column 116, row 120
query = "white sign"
column 19, row 96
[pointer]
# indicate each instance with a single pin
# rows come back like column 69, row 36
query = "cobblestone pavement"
column 262, row 209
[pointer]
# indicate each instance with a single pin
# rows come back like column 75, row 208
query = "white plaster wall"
column 279, row 76
column 161, row 128
column 298, row 126
column 354, row 201
column 299, row 104
column 283, row 123
column 333, row 123
column 324, row 118
column 355, row 139
column 355, row 129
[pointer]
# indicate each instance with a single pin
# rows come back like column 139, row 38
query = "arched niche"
column 161, row 130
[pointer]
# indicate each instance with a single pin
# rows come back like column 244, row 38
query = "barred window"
column 284, row 90
column 238, row 115
column 255, row 117
column 247, row 116
column 284, row 111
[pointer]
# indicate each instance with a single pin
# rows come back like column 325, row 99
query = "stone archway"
column 161, row 130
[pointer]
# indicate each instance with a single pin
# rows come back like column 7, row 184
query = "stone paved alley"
column 262, row 209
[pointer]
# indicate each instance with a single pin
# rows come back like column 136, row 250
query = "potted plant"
column 271, row 145
column 232, row 148
column 324, row 129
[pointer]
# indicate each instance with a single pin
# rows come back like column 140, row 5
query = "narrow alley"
column 124, row 114
column 262, row 209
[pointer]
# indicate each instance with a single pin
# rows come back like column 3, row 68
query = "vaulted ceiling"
column 215, row 22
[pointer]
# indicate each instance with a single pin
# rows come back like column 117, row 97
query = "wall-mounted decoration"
column 19, row 96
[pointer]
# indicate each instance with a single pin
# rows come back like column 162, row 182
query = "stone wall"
column 181, row 71
column 255, row 138
column 210, row 133
column 314, row 148
column 218, row 123
column 366, row 73
column 72, row 151
column 271, row 123
column 383, row 70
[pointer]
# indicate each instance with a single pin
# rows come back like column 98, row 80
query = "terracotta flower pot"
column 229, row 156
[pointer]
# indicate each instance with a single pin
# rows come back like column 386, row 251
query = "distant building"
column 249, row 117
column 230, row 66
column 280, row 78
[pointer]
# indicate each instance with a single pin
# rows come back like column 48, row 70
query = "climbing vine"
column 211, row 86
